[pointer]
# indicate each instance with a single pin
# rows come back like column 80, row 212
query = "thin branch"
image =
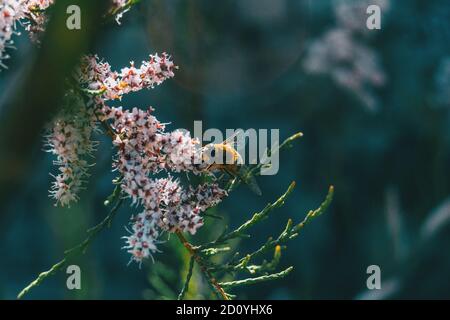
column 239, row 232
column 203, row 267
column 42, row 276
column 249, row 281
column 79, row 249
column 285, row 144
column 188, row 279
column 290, row 231
column 255, row 170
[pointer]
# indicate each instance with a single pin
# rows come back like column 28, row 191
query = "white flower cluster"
column 36, row 18
column 97, row 75
column 13, row 12
column 119, row 6
column 341, row 54
column 69, row 138
column 169, row 208
column 31, row 14
column 145, row 149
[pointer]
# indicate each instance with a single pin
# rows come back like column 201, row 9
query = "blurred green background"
column 242, row 66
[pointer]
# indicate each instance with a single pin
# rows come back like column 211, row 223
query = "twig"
column 253, row 171
column 211, row 280
column 42, row 276
column 79, row 249
column 188, row 279
column 248, row 281
column 290, row 231
column 286, row 143
column 239, row 232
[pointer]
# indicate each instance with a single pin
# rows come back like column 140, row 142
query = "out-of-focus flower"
column 31, row 14
column 350, row 64
column 36, row 18
column 119, row 7
column 352, row 15
column 443, row 83
column 342, row 55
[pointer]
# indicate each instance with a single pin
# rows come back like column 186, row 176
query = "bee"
column 230, row 162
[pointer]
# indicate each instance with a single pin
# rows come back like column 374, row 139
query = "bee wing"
column 236, row 140
column 244, row 174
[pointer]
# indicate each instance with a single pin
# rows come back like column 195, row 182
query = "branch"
column 239, row 232
column 285, row 144
column 188, row 279
column 249, row 281
column 203, row 266
column 79, row 249
column 290, row 231
column 256, row 169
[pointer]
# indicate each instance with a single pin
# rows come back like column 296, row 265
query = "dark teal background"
column 241, row 67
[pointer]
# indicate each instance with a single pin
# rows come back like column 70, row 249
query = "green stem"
column 79, row 249
column 188, row 279
column 239, row 232
column 249, row 281
column 201, row 263
column 42, row 276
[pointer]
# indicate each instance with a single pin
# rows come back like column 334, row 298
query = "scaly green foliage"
column 202, row 254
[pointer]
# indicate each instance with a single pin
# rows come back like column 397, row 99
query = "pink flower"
column 95, row 74
column 144, row 149
column 341, row 54
column 69, row 139
column 168, row 207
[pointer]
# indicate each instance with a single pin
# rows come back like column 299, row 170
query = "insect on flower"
column 225, row 157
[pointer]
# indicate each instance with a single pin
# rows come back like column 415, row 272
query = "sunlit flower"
column 69, row 139
column 33, row 16
column 144, row 149
column 97, row 75
column 170, row 208
column 11, row 11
